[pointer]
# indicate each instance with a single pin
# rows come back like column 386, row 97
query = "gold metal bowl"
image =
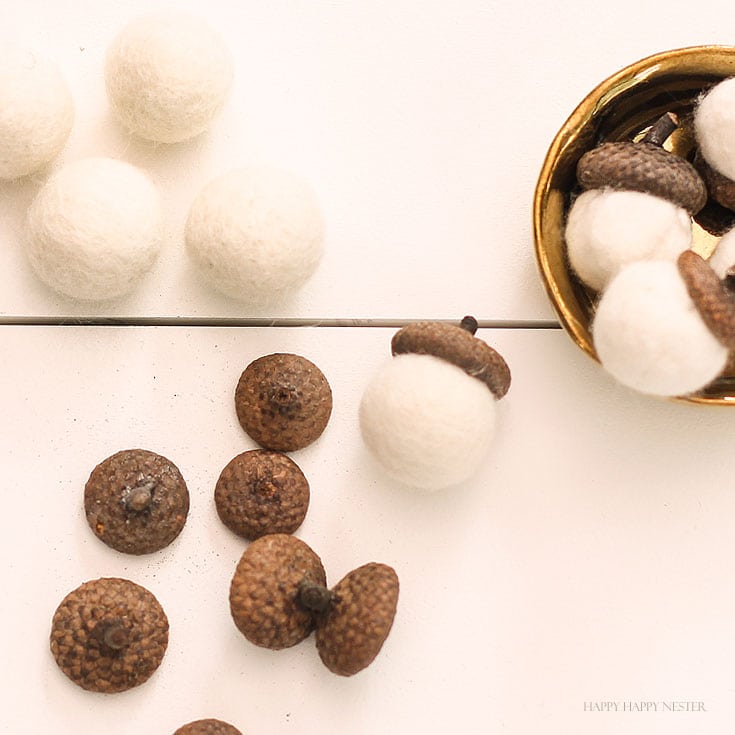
column 621, row 108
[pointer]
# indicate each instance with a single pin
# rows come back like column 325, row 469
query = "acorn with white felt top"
column 637, row 204
column 428, row 415
column 666, row 329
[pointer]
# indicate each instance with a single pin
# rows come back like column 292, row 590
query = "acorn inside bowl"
column 623, row 107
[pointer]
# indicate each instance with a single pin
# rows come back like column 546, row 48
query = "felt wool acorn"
column 637, row 205
column 167, row 76
column 665, row 328
column 208, row 727
column 428, row 415
column 94, row 229
column 36, row 112
column 109, row 635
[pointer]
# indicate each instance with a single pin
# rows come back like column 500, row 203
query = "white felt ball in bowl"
column 608, row 229
column 714, row 126
column 36, row 112
column 94, row 229
column 167, row 76
column 256, row 233
column 428, row 415
column 723, row 256
column 649, row 335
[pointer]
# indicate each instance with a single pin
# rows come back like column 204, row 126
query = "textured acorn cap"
column 719, row 187
column 283, row 401
column 261, row 492
column 352, row 631
column 265, row 588
column 645, row 167
column 136, row 501
column 207, row 727
column 459, row 346
column 109, row 635
column 714, row 302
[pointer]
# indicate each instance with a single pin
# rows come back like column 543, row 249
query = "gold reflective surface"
column 621, row 108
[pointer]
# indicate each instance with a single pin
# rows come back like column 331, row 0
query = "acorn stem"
column 112, row 634
column 314, row 597
column 469, row 324
column 140, row 496
column 660, row 131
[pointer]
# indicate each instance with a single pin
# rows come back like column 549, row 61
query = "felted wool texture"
column 94, row 229
column 608, row 229
column 714, row 127
column 426, row 421
column 723, row 256
column 256, row 233
column 167, row 76
column 649, row 335
column 36, row 112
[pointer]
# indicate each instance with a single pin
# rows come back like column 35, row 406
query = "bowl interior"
column 622, row 107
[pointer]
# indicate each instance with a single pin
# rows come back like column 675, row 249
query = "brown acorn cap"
column 261, row 492
column 714, row 302
column 719, row 187
column 646, row 167
column 264, row 592
column 109, row 635
column 283, row 401
column 355, row 625
column 208, row 727
column 458, row 345
column 136, row 501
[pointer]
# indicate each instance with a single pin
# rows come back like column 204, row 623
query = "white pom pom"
column 714, row 127
column 723, row 257
column 427, row 421
column 256, row 233
column 608, row 229
column 167, row 76
column 36, row 112
column 94, row 229
column 649, row 335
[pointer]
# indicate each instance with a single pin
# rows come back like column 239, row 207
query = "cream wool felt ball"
column 256, row 233
column 36, row 112
column 426, row 421
column 714, row 127
column 608, row 229
column 649, row 335
column 167, row 76
column 94, row 229
column 723, row 256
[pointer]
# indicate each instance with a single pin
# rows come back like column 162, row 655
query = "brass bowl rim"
column 594, row 101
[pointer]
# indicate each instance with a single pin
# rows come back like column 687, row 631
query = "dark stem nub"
column 112, row 634
column 140, row 496
column 469, row 324
column 314, row 597
column 660, row 131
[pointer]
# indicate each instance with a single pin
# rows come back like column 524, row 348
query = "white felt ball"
column 94, row 229
column 649, row 335
column 723, row 257
column 36, row 112
column 256, row 233
column 714, row 127
column 426, row 421
column 608, row 229
column 167, row 76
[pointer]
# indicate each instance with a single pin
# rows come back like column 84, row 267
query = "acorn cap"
column 354, row 627
column 265, row 588
column 719, row 187
column 261, row 492
column 207, row 727
column 714, row 302
column 109, row 635
column 646, row 167
column 136, row 501
column 283, row 401
column 459, row 346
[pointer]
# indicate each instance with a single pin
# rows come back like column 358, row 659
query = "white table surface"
column 589, row 562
